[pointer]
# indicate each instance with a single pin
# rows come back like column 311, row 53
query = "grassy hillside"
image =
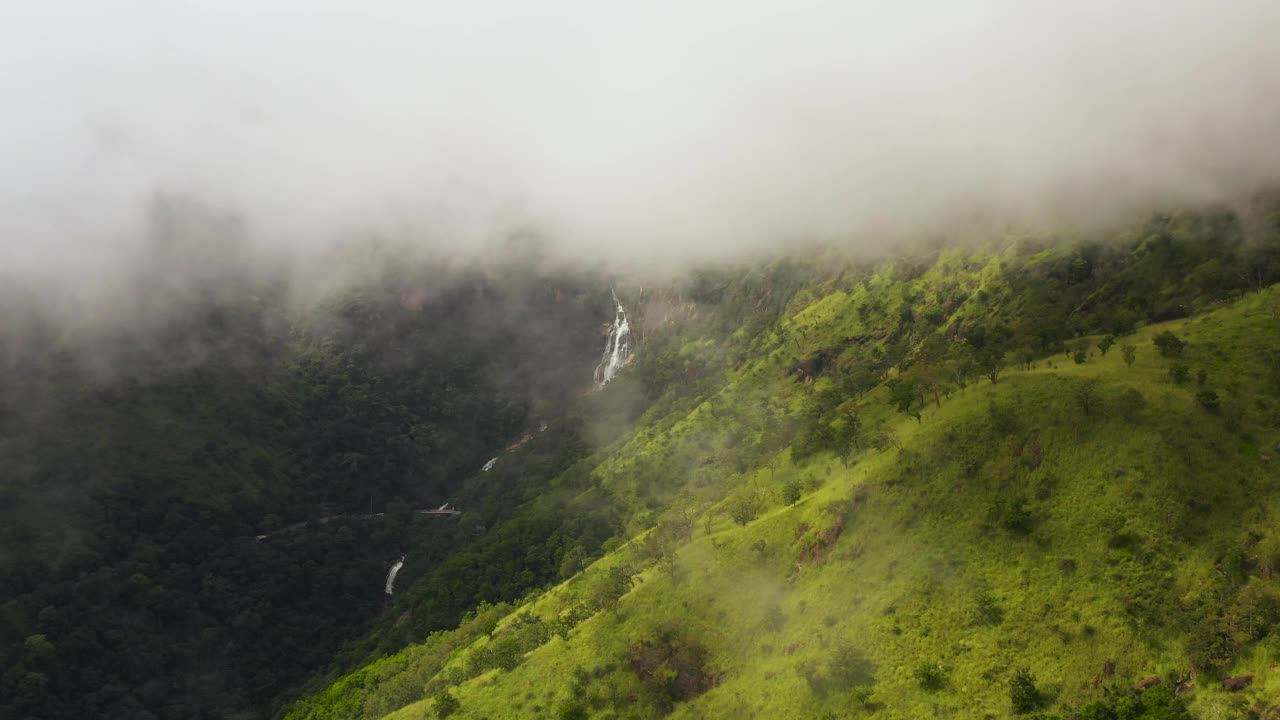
column 919, row 489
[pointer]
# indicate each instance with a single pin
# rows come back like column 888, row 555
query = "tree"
column 961, row 364
column 1023, row 693
column 1086, row 396
column 1130, row 403
column 850, row 668
column 904, row 395
column 845, row 436
column 1168, row 344
column 1208, row 399
column 856, row 380
column 1130, row 354
column 446, row 704
column 990, row 361
column 1105, row 343
column 1179, row 373
column 744, row 508
column 791, row 491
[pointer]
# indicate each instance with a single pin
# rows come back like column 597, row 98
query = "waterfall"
column 617, row 349
column 391, row 576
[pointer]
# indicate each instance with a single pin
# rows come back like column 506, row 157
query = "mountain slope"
column 141, row 460
column 1013, row 499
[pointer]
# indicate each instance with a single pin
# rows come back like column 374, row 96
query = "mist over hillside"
column 716, row 359
column 635, row 136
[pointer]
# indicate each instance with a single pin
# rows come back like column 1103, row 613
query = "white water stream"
column 617, row 349
column 391, row 576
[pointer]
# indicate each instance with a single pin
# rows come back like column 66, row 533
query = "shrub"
column 1179, row 373
column 1086, row 396
column 930, row 677
column 1130, row 403
column 987, row 612
column 1208, row 399
column 1013, row 514
column 1168, row 344
column 774, row 618
column 1004, row 421
column 1130, row 354
column 850, row 668
column 744, row 508
column 1023, row 693
column 1157, row 703
column 791, row 491
column 1105, row 343
column 1210, row 646
column 572, row 710
column 675, row 667
column 446, row 704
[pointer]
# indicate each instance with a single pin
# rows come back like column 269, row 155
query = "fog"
column 623, row 132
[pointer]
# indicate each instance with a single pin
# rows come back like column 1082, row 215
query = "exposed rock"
column 1237, row 682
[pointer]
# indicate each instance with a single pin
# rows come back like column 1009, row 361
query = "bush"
column 1012, row 514
column 791, row 491
column 1130, row 403
column 1130, row 354
column 1208, row 399
column 572, row 710
column 850, row 668
column 1105, row 343
column 446, row 704
column 930, row 677
column 1179, row 373
column 1157, row 703
column 744, row 508
column 774, row 618
column 987, row 612
column 1087, row 396
column 1004, row 421
column 1168, row 344
column 1023, row 693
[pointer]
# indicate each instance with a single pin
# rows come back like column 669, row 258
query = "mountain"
column 200, row 503
column 1025, row 477
column 1017, row 476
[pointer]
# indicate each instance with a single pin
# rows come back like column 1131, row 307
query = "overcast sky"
column 623, row 129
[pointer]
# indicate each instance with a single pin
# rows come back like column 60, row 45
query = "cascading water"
column 617, row 349
column 391, row 576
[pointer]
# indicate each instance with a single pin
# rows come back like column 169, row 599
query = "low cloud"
column 624, row 133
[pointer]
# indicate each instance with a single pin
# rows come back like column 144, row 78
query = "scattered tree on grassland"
column 904, row 395
column 1023, row 693
column 1086, row 396
column 1168, row 344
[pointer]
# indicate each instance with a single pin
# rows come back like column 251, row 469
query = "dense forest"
column 144, row 460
